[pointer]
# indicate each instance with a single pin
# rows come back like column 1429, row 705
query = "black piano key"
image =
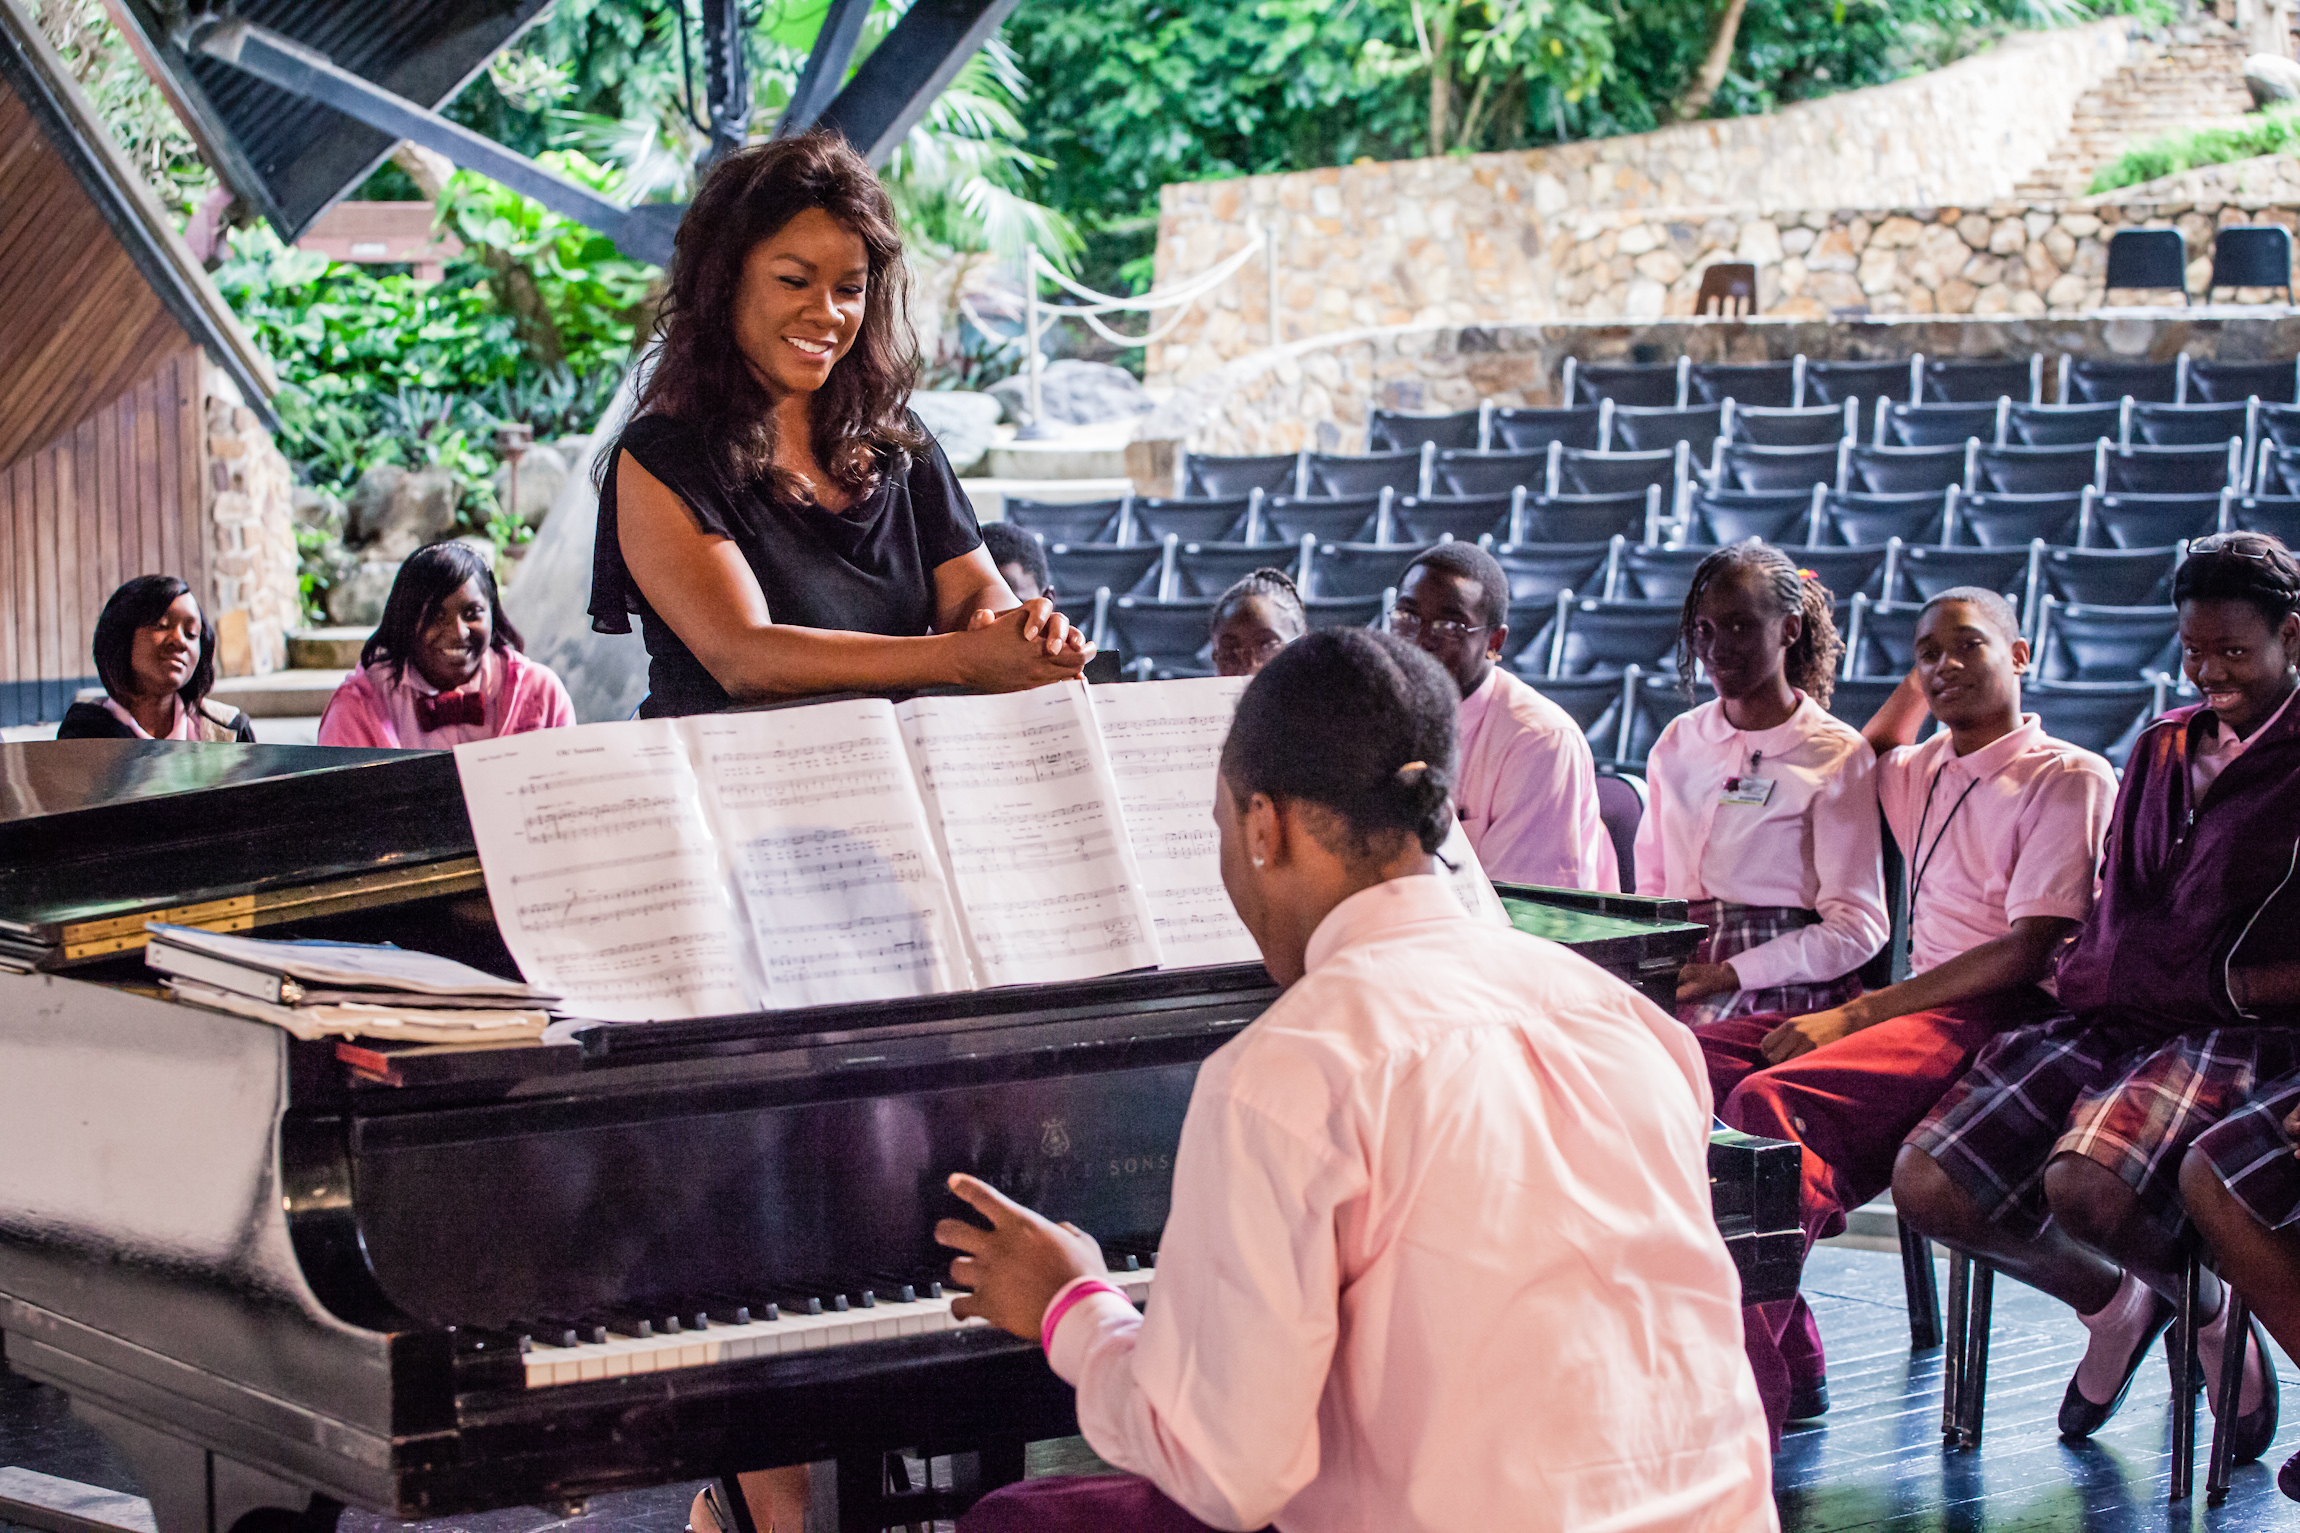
column 584, row 1332
column 695, row 1317
column 634, row 1326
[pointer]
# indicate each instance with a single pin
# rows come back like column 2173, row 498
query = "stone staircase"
column 2190, row 77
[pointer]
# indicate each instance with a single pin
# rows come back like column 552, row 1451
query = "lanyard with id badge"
column 1749, row 788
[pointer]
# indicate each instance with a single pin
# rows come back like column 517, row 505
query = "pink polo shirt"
column 1812, row 845
column 1527, row 790
column 2012, row 830
column 1440, row 1257
column 2217, row 745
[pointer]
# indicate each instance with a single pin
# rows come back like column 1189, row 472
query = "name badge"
column 1754, row 791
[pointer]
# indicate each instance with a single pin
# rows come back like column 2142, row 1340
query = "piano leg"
column 195, row 1491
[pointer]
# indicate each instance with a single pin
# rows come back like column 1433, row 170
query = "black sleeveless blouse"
column 868, row 569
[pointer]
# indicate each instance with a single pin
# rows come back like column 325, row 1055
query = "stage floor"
column 1874, row 1462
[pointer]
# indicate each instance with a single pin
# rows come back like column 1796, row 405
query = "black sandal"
column 2079, row 1417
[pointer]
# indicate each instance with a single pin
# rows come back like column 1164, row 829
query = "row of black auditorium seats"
column 2082, row 518
column 1911, row 572
column 1863, row 467
column 2128, row 422
column 1918, row 379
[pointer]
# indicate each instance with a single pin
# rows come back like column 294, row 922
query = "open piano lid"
column 96, row 836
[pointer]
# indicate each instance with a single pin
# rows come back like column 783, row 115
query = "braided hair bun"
column 1358, row 722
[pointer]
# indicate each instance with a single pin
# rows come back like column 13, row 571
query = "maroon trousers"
column 1093, row 1503
column 1848, row 1106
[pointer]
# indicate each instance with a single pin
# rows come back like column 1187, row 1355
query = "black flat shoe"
column 1809, row 1400
column 2288, row 1478
column 2256, row 1429
column 2079, row 1417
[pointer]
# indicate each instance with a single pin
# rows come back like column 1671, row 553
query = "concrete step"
column 325, row 649
column 1057, row 459
column 282, row 694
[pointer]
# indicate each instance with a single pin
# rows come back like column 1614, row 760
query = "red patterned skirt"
column 1735, row 929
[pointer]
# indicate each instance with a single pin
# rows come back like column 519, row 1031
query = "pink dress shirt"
column 1440, row 1257
column 2217, row 745
column 371, row 708
column 1813, row 845
column 1527, row 790
column 2025, row 841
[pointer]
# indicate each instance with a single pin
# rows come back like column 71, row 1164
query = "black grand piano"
column 283, row 1277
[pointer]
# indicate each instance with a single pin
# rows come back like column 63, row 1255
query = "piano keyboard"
column 703, row 1338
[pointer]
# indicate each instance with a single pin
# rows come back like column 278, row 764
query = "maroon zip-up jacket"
column 2183, row 881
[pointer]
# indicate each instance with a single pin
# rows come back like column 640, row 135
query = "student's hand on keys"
column 1017, row 1266
column 1802, row 1035
column 1022, row 647
column 1696, row 980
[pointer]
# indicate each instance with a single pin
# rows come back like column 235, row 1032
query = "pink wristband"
column 1063, row 1304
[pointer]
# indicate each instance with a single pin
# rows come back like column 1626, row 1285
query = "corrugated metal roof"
column 294, row 157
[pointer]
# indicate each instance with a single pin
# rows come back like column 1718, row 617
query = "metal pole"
column 1270, row 265
column 1030, row 332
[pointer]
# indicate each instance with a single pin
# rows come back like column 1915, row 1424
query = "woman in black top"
column 156, row 656
column 773, row 513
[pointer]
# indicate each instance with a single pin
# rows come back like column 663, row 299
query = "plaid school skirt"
column 2130, row 1101
column 1735, row 929
column 2255, row 1159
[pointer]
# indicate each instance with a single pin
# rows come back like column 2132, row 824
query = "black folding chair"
column 2101, row 716
column 1923, row 571
column 1832, row 383
column 1844, row 571
column 1341, row 519
column 2064, row 425
column 2276, row 515
column 2104, row 381
column 2147, row 521
column 1906, row 470
column 1939, row 425
column 1068, row 521
column 2251, row 255
column 1768, row 385
column 1764, row 426
column 2172, row 470
column 1357, row 570
column 1732, row 516
column 1661, row 385
column 1519, row 429
column 2192, row 425
column 2217, row 383
column 1588, row 518
column 1337, row 474
column 1397, row 431
column 1881, row 637
column 1124, row 570
column 1860, row 519
column 1592, row 635
column 1740, row 466
column 2143, row 259
column 1464, row 518
column 1209, row 569
column 1538, row 571
column 1650, row 573
column 1206, row 476
column 1165, row 633
column 2107, row 577
column 2076, row 642
column 1344, row 611
column 1649, row 700
column 1489, row 473
column 1643, row 430
column 1193, row 521
column 1587, row 700
column 2015, row 521
column 2036, row 470
column 2275, row 470
column 1984, row 381
column 1574, row 472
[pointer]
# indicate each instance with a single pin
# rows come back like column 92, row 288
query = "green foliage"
column 142, row 123
column 2275, row 131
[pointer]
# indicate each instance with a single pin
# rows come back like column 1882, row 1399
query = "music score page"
column 1020, row 794
column 603, row 872
column 1164, row 740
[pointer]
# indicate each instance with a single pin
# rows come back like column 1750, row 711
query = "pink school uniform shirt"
column 1812, row 845
column 2217, row 745
column 371, row 708
column 1440, row 1257
column 1528, row 790
column 2010, row 831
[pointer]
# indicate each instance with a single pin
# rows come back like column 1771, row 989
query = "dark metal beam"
column 727, row 77
column 903, row 75
column 644, row 231
column 826, row 66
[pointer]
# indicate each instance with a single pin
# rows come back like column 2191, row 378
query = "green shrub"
column 2275, row 131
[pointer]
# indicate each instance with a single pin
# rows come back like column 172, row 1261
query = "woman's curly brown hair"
column 699, row 374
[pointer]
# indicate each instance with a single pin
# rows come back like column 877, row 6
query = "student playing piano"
column 1527, row 789
column 444, row 666
column 774, row 515
column 1405, row 1284
column 2057, row 1158
column 1763, row 807
column 2000, row 827
column 1258, row 616
column 156, row 656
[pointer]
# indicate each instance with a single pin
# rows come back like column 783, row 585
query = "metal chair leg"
column 1923, row 1291
column 2222, row 1464
column 1974, row 1385
column 1959, row 1328
column 2184, row 1387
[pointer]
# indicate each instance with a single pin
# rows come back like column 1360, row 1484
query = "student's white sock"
column 2116, row 1327
column 2209, row 1340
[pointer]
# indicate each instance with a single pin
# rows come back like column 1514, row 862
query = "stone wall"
column 1317, row 393
column 1471, row 238
column 252, row 556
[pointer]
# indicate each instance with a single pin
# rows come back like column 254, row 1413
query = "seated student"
column 1764, row 807
column 2000, row 826
column 1527, row 791
column 1021, row 558
column 1258, row 616
column 1440, row 1255
column 156, row 656
column 443, row 667
column 2055, row 1159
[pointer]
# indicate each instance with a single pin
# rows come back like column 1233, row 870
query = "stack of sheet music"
column 345, row 989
